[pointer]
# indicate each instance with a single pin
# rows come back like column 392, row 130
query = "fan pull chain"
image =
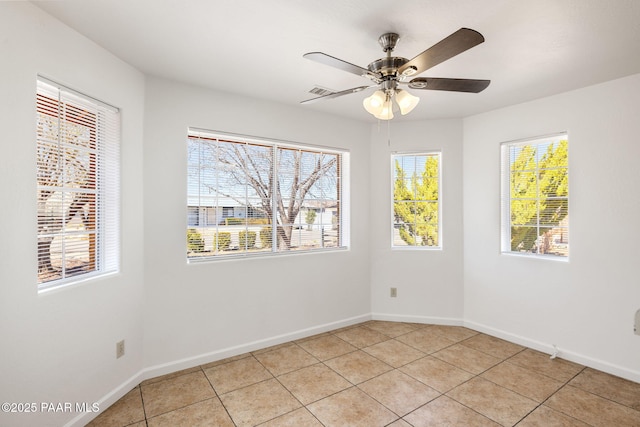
column 389, row 133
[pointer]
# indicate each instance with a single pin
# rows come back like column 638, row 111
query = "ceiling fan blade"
column 335, row 94
column 453, row 85
column 323, row 58
column 447, row 48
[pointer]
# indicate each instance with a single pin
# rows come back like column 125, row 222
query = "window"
column 249, row 196
column 77, row 186
column 535, row 197
column 416, row 201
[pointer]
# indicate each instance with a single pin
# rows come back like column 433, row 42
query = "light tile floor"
column 383, row 374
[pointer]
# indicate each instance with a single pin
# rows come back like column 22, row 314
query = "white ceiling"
column 254, row 47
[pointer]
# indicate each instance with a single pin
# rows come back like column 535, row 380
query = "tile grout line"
column 218, row 396
column 445, row 394
column 180, row 407
column 597, row 394
column 553, row 394
column 144, row 410
column 283, row 386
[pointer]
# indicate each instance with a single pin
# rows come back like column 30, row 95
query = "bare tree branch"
column 243, row 164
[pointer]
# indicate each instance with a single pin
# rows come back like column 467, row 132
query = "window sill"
column 257, row 255
column 536, row 256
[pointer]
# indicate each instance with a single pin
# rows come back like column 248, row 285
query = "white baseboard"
column 449, row 321
column 547, row 348
column 569, row 355
column 109, row 399
column 190, row 362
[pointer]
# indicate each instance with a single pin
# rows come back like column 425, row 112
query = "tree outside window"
column 536, row 197
column 257, row 195
column 416, row 204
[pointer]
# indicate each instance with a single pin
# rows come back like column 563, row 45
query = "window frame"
column 342, row 195
column 97, row 213
column 438, row 154
column 505, row 196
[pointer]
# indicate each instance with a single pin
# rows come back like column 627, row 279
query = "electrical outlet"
column 119, row 349
column 394, row 292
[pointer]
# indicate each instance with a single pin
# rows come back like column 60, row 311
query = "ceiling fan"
column 390, row 72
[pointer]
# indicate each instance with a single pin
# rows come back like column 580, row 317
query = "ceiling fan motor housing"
column 387, row 66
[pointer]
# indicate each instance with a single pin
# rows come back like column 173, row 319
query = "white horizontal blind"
column 249, row 196
column 416, row 201
column 535, row 196
column 78, row 143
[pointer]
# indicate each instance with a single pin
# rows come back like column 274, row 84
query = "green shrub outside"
column 248, row 221
column 258, row 221
column 247, row 239
column 222, row 240
column 266, row 237
column 195, row 242
column 234, row 221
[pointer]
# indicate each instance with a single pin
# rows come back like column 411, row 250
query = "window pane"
column 400, row 236
column 249, row 192
column 404, row 212
column 415, row 206
column 524, row 185
column 524, row 212
column 523, row 238
column 77, row 185
column 537, row 198
column 427, row 233
column 553, row 211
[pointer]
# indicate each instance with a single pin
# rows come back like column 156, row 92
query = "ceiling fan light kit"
column 406, row 101
column 374, row 103
column 380, row 104
column 389, row 72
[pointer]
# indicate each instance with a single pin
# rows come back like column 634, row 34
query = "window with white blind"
column 416, row 201
column 251, row 196
column 535, row 197
column 77, row 173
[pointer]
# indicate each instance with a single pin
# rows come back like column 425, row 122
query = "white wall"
column 584, row 306
column 200, row 312
column 60, row 346
column 429, row 282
